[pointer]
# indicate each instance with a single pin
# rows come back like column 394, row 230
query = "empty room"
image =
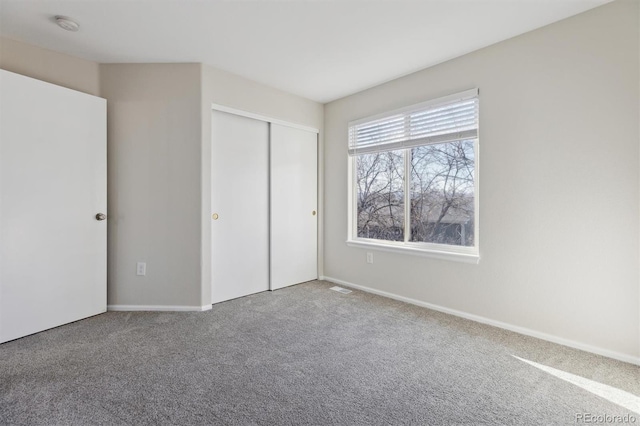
column 357, row 212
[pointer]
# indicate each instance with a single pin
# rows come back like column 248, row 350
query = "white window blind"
column 447, row 119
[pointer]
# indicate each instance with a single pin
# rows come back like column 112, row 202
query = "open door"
column 53, row 201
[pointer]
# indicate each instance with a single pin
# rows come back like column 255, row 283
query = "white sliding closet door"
column 53, row 183
column 240, row 206
column 294, row 198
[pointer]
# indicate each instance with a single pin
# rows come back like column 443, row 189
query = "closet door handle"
column 215, row 216
column 313, row 213
column 101, row 216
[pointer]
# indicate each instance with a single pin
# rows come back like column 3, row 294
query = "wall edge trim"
column 483, row 320
column 157, row 308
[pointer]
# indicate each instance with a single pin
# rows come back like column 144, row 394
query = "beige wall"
column 153, row 165
column 559, row 184
column 223, row 88
column 53, row 67
column 159, row 156
column 154, row 182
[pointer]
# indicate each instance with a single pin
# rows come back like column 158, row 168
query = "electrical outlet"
column 141, row 268
column 369, row 257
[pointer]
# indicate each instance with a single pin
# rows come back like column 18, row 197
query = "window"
column 414, row 178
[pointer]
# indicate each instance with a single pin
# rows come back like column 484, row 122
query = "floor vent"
column 340, row 290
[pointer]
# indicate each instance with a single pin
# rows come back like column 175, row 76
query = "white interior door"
column 52, row 185
column 294, row 198
column 240, row 206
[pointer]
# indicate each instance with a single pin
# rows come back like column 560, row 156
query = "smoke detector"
column 67, row 23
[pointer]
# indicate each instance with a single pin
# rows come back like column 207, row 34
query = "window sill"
column 435, row 254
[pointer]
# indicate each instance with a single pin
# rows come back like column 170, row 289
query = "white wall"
column 223, row 88
column 559, row 184
column 154, row 140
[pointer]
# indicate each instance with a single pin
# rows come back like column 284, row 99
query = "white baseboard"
column 522, row 330
column 158, row 308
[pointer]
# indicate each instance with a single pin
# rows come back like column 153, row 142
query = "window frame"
column 438, row 251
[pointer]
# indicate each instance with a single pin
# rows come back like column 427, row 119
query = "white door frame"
column 260, row 117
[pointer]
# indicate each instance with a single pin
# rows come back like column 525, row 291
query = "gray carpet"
column 303, row 355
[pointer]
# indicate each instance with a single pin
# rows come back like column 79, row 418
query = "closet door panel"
column 240, row 206
column 294, row 218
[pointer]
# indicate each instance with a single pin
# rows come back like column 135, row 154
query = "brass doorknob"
column 313, row 213
column 101, row 216
column 215, row 216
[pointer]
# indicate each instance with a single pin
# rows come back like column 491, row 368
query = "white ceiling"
column 319, row 49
